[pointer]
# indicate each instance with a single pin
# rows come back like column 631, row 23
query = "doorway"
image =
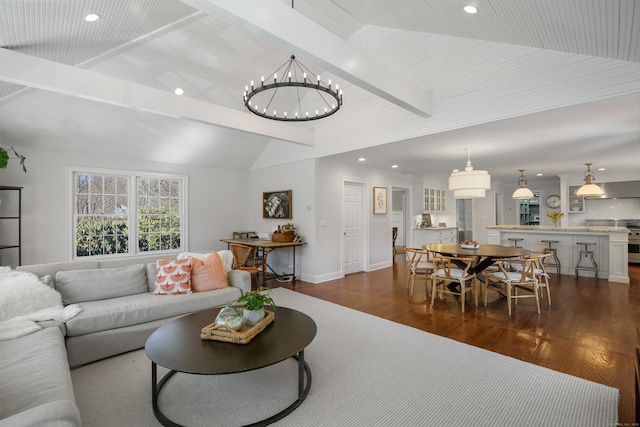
column 353, row 240
column 400, row 217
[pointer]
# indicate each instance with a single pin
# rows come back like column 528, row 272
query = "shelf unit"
column 434, row 200
column 11, row 214
column 530, row 210
column 576, row 203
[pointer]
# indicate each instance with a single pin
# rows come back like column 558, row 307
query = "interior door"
column 352, row 208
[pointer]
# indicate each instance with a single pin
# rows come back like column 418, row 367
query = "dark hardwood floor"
column 589, row 331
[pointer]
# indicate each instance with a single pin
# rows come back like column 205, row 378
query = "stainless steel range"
column 634, row 234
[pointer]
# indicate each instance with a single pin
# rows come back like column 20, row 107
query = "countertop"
column 575, row 228
column 434, row 228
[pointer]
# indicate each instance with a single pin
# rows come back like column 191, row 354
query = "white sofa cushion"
column 142, row 308
column 100, row 283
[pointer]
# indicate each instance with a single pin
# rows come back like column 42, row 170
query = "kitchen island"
column 610, row 250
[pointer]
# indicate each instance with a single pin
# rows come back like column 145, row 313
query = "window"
column 119, row 212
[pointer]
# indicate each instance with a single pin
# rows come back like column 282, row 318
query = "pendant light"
column 469, row 183
column 522, row 192
column 589, row 189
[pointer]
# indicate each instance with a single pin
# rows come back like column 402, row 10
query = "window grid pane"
column 102, row 207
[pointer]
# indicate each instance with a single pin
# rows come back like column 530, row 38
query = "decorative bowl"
column 469, row 246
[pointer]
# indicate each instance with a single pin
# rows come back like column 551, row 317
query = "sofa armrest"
column 240, row 279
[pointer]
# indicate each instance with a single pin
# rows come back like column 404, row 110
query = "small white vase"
column 252, row 317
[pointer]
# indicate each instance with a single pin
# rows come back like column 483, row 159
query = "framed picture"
column 277, row 204
column 379, row 200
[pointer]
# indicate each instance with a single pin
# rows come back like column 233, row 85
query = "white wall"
column 298, row 177
column 218, row 202
column 329, row 181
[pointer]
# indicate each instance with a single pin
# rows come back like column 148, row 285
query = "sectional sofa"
column 118, row 313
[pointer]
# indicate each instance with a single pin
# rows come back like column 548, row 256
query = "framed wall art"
column 277, row 204
column 379, row 200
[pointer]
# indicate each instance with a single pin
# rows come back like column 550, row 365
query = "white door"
column 352, row 208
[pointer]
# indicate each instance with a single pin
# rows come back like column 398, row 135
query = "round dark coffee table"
column 178, row 347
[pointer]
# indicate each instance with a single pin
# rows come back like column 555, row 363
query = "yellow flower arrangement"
column 555, row 217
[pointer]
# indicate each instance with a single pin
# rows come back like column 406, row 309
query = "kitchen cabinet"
column 435, row 200
column 576, row 203
column 424, row 236
column 530, row 210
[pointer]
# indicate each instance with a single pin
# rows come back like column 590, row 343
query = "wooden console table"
column 268, row 246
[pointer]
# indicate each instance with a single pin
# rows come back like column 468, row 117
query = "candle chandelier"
column 314, row 99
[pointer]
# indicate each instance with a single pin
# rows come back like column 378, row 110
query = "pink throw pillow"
column 173, row 277
column 208, row 275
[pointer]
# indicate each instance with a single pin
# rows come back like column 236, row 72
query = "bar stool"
column 587, row 255
column 514, row 241
column 556, row 262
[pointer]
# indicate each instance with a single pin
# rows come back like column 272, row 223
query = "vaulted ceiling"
column 543, row 85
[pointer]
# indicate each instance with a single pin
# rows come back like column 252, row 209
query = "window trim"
column 133, row 175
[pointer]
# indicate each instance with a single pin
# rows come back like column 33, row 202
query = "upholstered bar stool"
column 555, row 262
column 514, row 241
column 588, row 255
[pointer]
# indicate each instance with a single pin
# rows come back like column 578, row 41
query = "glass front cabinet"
column 576, row 203
column 434, row 200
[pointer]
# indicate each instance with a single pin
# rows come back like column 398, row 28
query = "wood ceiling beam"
column 274, row 21
column 47, row 75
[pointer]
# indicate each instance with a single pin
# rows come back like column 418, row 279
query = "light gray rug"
column 367, row 371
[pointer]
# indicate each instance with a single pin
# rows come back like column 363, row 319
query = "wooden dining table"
column 486, row 255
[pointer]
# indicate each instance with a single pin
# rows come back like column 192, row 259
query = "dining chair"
column 453, row 270
column 509, row 283
column 420, row 264
column 246, row 258
column 394, row 236
column 540, row 270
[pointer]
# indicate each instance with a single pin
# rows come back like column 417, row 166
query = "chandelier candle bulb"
column 251, row 84
column 304, row 76
column 275, row 77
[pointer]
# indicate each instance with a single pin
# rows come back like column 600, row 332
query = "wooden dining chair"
column 453, row 270
column 540, row 270
column 509, row 283
column 246, row 258
column 420, row 264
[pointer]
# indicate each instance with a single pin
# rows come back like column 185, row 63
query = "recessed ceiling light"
column 456, row 170
column 602, row 169
column 178, row 91
column 470, row 9
column 538, row 174
column 394, row 166
column 361, row 159
column 92, row 17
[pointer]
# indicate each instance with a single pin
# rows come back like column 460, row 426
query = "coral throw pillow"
column 173, row 277
column 208, row 274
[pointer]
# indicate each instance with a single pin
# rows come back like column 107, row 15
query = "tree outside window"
column 103, row 223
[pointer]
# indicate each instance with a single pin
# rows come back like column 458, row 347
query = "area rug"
column 367, row 371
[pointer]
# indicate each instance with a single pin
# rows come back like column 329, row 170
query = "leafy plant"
column 5, row 155
column 255, row 300
column 288, row 227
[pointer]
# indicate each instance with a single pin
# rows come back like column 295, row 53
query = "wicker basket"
column 243, row 336
column 283, row 236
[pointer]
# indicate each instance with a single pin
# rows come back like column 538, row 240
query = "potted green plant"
column 253, row 303
column 5, row 155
